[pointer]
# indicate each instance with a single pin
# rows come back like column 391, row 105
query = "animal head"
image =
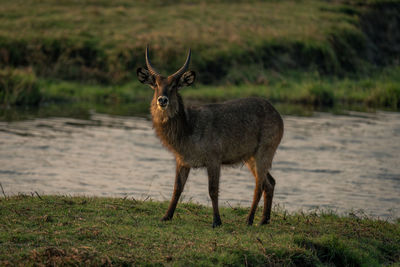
column 166, row 88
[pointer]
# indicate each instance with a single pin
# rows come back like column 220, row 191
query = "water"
column 333, row 162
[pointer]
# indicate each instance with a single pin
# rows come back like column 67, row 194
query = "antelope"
column 246, row 130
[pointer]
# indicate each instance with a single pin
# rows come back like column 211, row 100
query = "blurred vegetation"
column 19, row 87
column 87, row 231
column 379, row 90
column 235, row 43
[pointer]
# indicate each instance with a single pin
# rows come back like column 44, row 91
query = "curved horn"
column 149, row 66
column 184, row 67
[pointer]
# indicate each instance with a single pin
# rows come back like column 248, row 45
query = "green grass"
column 104, row 41
column 19, row 87
column 292, row 93
column 314, row 53
column 60, row 230
column 381, row 90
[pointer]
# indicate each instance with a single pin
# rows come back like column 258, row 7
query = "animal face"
column 165, row 89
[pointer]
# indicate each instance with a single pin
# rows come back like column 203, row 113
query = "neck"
column 171, row 125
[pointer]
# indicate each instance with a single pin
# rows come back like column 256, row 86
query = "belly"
column 204, row 155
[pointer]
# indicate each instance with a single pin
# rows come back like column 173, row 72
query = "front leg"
column 213, row 189
column 182, row 173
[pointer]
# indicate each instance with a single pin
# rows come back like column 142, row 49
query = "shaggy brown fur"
column 246, row 130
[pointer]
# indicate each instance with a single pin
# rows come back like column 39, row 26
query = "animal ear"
column 145, row 77
column 187, row 79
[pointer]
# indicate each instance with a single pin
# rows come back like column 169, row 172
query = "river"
column 344, row 163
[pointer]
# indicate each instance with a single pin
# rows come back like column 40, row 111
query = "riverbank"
column 312, row 53
column 112, row 231
column 293, row 93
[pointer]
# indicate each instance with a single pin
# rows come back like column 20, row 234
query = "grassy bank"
column 106, row 231
column 381, row 90
column 104, row 42
column 313, row 53
column 293, row 93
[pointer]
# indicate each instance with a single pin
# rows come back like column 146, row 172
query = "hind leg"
column 268, row 195
column 258, row 168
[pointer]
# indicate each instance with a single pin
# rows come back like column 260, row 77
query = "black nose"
column 162, row 100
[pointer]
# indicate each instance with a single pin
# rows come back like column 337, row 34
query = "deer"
column 242, row 131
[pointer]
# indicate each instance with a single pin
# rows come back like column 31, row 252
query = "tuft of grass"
column 61, row 230
column 19, row 87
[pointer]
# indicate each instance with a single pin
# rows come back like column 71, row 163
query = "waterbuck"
column 246, row 130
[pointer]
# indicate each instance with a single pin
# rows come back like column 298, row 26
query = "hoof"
column 166, row 218
column 249, row 221
column 216, row 223
column 264, row 221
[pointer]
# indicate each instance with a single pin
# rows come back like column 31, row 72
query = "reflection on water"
column 327, row 161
